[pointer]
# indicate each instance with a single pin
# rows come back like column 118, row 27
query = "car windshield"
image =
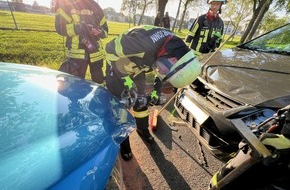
column 276, row 41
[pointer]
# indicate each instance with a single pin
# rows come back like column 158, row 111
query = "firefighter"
column 205, row 34
column 83, row 24
column 140, row 50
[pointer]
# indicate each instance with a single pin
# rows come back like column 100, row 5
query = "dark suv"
column 249, row 82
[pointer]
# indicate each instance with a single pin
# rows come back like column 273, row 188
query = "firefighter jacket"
column 74, row 20
column 136, row 50
column 205, row 33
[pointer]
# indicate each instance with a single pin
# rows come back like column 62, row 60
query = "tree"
column 265, row 7
column 260, row 8
column 185, row 7
column 35, row 4
column 18, row 5
column 271, row 21
column 236, row 12
column 144, row 4
column 130, row 6
column 161, row 7
column 177, row 15
column 52, row 6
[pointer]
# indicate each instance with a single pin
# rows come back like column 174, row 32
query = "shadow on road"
column 133, row 181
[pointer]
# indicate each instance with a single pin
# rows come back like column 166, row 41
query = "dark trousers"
column 115, row 85
column 96, row 70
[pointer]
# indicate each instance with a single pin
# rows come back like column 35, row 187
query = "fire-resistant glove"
column 141, row 102
column 217, row 34
column 128, row 98
column 129, row 94
column 215, row 40
column 86, row 28
column 153, row 98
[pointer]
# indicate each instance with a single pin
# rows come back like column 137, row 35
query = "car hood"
column 251, row 77
column 57, row 131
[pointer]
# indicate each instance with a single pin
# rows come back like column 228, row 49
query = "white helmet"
column 180, row 72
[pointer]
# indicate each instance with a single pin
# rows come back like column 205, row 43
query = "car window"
column 276, row 41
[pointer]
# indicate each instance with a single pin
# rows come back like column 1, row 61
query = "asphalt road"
column 176, row 161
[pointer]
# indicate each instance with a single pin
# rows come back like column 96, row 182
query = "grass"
column 37, row 43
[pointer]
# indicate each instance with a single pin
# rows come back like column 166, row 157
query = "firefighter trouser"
column 82, row 67
column 96, row 64
column 95, row 59
column 115, row 85
column 96, row 70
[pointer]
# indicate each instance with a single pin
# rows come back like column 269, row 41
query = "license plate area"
column 199, row 115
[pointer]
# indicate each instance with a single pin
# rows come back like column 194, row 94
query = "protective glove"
column 86, row 28
column 215, row 40
column 141, row 102
column 217, row 34
column 128, row 98
column 153, row 98
column 129, row 94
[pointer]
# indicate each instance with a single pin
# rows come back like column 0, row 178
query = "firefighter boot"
column 125, row 149
column 143, row 131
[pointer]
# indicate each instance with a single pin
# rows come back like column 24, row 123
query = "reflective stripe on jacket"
column 200, row 35
column 68, row 19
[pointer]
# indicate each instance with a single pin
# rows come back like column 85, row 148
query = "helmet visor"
column 163, row 65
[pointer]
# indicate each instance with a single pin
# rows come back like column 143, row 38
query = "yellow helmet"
column 178, row 72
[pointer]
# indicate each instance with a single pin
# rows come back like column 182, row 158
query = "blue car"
column 57, row 131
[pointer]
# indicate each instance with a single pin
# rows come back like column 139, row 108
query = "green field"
column 35, row 42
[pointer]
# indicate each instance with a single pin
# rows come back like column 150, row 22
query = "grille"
column 205, row 134
column 216, row 99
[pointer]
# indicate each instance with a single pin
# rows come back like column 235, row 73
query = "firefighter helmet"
column 178, row 72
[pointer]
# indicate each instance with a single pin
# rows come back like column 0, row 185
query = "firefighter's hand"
column 217, row 34
column 141, row 102
column 86, row 28
column 153, row 98
column 96, row 31
column 128, row 98
column 215, row 40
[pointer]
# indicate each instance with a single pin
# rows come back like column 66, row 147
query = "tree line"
column 254, row 14
column 251, row 12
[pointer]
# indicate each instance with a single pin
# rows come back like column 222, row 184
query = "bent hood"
column 254, row 78
column 57, row 131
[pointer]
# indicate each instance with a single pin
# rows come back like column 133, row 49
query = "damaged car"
column 248, row 82
column 59, row 131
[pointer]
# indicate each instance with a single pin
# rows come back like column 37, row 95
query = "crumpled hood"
column 250, row 77
column 57, row 131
